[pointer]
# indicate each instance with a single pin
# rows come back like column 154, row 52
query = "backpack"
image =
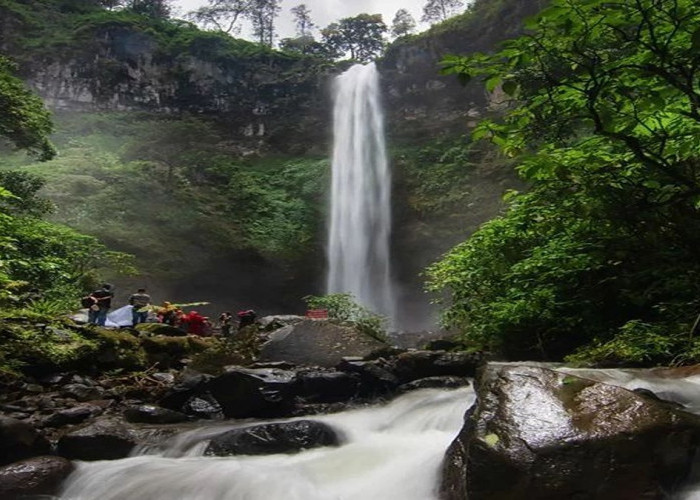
column 87, row 301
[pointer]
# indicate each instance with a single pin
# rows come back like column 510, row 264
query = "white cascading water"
column 360, row 225
column 388, row 452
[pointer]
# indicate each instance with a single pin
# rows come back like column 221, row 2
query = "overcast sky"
column 324, row 12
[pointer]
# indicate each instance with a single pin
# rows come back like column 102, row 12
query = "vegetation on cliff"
column 600, row 256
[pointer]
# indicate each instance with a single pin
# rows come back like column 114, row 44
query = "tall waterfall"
column 360, row 225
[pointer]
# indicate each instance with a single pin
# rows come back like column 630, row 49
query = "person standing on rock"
column 139, row 301
column 226, row 321
column 97, row 314
column 246, row 318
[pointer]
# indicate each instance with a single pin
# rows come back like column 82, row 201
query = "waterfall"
column 390, row 451
column 360, row 223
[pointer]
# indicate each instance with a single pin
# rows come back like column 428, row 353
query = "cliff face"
column 422, row 103
column 278, row 100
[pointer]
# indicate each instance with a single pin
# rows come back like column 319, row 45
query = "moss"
column 168, row 352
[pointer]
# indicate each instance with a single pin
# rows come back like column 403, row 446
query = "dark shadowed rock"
column 270, row 323
column 267, row 439
column 203, row 406
column 413, row 365
column 539, row 434
column 316, row 386
column 434, row 383
column 375, row 379
column 33, row 476
column 74, row 415
column 260, row 393
column 151, row 414
column 19, row 440
column 191, row 384
column 105, row 439
column 317, row 343
column 82, row 392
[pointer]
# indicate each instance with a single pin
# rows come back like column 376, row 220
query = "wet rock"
column 105, row 439
column 267, row 439
column 434, row 383
column 33, row 476
column 19, row 440
column 165, row 378
column 555, row 436
column 269, row 323
column 257, row 393
column 75, row 415
column 191, row 384
column 375, row 379
column 151, row 414
column 413, row 365
column 316, row 386
column 317, row 343
column 203, row 406
column 82, row 392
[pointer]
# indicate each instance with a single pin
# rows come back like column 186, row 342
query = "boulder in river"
column 413, row 365
column 34, row 476
column 317, row 343
column 19, row 440
column 151, row 414
column 267, row 439
column 539, row 433
column 104, row 439
column 254, row 393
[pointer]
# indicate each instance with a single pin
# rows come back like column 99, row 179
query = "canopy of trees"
column 601, row 254
column 362, row 37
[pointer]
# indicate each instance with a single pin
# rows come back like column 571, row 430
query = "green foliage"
column 361, row 37
column 602, row 251
column 342, row 307
column 24, row 120
column 242, row 349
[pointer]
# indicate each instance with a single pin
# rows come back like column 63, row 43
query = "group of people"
column 100, row 301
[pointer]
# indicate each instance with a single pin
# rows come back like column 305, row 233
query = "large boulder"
column 152, row 414
column 19, row 440
column 317, row 343
column 266, row 439
column 254, row 393
column 538, row 433
column 319, row 386
column 105, row 439
column 413, row 365
column 34, row 476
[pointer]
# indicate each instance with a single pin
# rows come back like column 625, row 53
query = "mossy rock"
column 168, row 351
column 160, row 329
column 118, row 349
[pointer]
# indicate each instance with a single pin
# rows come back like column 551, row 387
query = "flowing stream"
column 388, row 452
column 360, row 224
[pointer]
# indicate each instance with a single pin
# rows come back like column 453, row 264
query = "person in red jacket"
column 195, row 323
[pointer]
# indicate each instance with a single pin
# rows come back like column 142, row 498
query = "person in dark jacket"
column 103, row 301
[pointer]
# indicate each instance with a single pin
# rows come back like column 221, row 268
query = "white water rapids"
column 360, row 223
column 391, row 452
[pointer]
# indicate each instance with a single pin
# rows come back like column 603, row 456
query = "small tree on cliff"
column 262, row 14
column 403, row 23
column 223, row 15
column 439, row 10
column 302, row 19
column 362, row 37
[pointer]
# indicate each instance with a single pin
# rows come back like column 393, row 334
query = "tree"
column 302, row 19
column 156, row 9
column 223, row 15
column 403, row 23
column 439, row 10
column 600, row 254
column 262, row 14
column 360, row 36
column 24, row 121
